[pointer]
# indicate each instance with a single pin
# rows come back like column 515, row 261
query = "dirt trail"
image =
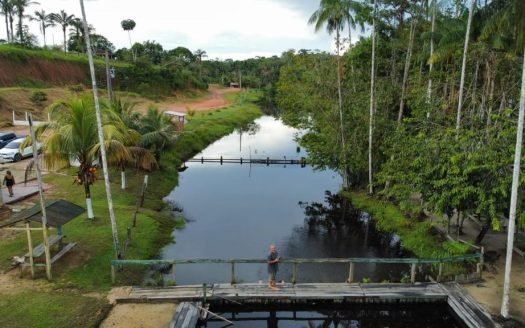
column 215, row 99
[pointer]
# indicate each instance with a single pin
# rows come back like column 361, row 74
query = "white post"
column 513, row 200
column 122, row 180
column 101, row 135
column 89, row 206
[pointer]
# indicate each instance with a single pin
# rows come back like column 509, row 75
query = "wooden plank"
column 39, row 250
column 466, row 308
column 62, row 252
column 186, row 315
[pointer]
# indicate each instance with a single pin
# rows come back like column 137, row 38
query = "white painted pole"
column 513, row 200
column 100, row 134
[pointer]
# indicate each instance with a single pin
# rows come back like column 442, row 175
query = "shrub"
column 38, row 97
column 76, row 88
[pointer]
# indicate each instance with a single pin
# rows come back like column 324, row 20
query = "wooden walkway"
column 266, row 161
column 461, row 304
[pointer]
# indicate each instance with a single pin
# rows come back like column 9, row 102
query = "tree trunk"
column 44, row 34
column 11, row 20
column 433, row 29
column 340, row 97
column 65, row 41
column 20, row 31
column 89, row 206
column 405, row 73
column 491, row 98
column 483, row 232
column 372, row 103
column 514, row 199
column 101, row 136
column 7, row 28
column 464, row 66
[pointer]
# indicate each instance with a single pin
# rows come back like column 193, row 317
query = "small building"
column 180, row 118
column 234, row 85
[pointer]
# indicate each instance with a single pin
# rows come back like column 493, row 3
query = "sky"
column 236, row 29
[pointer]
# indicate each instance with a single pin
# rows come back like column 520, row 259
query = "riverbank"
column 81, row 279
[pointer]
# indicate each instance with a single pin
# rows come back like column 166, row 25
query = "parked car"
column 12, row 151
column 6, row 137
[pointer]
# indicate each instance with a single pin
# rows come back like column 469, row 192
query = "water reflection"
column 236, row 211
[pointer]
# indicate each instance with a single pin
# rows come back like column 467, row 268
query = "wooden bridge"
column 293, row 294
column 265, row 161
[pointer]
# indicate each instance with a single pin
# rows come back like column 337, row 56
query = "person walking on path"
column 9, row 181
column 273, row 266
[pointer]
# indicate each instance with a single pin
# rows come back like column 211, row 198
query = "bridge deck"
column 461, row 304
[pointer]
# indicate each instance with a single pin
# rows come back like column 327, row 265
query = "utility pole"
column 108, row 78
column 101, row 135
column 513, row 200
column 41, row 194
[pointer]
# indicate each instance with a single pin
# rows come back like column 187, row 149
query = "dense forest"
column 406, row 112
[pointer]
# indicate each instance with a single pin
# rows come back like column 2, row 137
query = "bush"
column 38, row 97
column 76, row 88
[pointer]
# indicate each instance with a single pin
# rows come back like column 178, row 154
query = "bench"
column 39, row 250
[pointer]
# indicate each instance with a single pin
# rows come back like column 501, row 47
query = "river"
column 237, row 211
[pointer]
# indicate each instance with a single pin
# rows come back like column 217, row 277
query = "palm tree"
column 129, row 25
column 64, row 20
column 464, row 65
column 334, row 14
column 157, row 132
column 45, row 21
column 139, row 157
column 372, row 101
column 199, row 54
column 71, row 137
column 19, row 7
column 6, row 9
column 513, row 199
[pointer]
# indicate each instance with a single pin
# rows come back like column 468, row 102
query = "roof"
column 58, row 212
column 169, row 112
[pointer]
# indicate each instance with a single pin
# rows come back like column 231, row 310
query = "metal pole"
column 101, row 135
column 41, row 194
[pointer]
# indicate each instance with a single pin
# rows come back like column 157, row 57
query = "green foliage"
column 38, row 97
column 77, row 88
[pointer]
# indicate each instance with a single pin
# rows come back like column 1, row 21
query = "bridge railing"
column 352, row 262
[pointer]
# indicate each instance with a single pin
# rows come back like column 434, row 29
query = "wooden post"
column 294, row 273
column 113, row 278
column 233, row 273
column 221, row 160
column 267, row 161
column 173, row 273
column 30, row 245
column 351, row 271
column 440, row 272
column 413, row 273
column 144, row 187
column 481, row 261
column 41, row 194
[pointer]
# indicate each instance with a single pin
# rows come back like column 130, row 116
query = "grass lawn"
column 87, row 267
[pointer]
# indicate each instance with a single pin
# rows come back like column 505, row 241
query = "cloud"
column 222, row 28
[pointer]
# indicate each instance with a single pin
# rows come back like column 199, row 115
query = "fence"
column 352, row 262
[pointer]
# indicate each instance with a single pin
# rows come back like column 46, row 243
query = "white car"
column 12, row 151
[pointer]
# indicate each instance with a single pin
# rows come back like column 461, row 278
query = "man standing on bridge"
column 273, row 266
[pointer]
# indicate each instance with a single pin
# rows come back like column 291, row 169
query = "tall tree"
column 64, row 20
column 44, row 21
column 432, row 38
column 372, row 101
column 464, row 65
column 514, row 199
column 6, row 9
column 128, row 25
column 334, row 14
column 20, row 7
column 71, row 135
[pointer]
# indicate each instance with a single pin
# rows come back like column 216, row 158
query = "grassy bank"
column 417, row 236
column 86, row 268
